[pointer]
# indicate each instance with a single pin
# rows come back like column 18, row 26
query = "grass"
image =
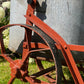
column 5, row 69
column 4, row 65
column 5, row 72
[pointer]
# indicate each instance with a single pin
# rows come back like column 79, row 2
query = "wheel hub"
column 17, row 70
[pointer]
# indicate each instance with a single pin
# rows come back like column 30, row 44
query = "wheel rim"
column 37, row 61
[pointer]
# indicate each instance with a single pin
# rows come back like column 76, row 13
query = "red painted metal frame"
column 65, row 48
column 16, row 65
column 18, row 68
column 27, row 40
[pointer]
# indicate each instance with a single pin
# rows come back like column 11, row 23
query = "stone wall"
column 66, row 17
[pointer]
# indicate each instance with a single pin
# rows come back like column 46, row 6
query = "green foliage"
column 4, row 21
column 6, row 37
column 5, row 72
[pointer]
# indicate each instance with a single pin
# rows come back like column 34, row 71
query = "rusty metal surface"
column 65, row 17
column 19, row 67
column 24, row 26
column 65, row 49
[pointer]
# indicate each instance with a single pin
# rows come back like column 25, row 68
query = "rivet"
column 30, row 15
column 65, row 47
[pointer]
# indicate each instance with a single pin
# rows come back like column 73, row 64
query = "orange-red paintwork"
column 66, row 49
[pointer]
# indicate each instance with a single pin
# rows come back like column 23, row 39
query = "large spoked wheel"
column 46, row 58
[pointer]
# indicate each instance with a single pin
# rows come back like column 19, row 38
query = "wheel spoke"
column 47, row 76
column 35, row 81
column 48, row 53
column 11, row 80
column 6, row 57
column 39, row 50
column 38, row 45
column 43, row 72
column 50, row 79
